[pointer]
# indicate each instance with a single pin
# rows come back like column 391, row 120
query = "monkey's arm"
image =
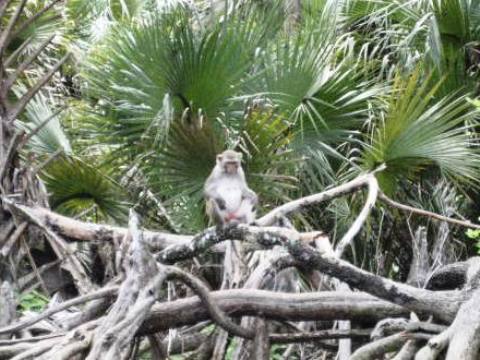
column 211, row 193
column 246, row 211
column 249, row 195
column 214, row 213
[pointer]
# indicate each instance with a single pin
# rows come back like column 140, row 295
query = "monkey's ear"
column 240, row 155
column 219, row 158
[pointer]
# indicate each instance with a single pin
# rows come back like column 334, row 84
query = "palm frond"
column 51, row 137
column 200, row 70
column 77, row 188
column 270, row 162
column 419, row 131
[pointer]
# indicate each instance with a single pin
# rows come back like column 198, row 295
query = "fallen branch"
column 462, row 337
column 321, row 306
column 60, row 307
column 320, row 335
column 442, row 304
column 380, row 347
column 85, row 231
column 204, row 293
column 62, row 250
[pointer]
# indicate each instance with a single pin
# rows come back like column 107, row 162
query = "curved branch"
column 298, row 204
column 430, row 214
column 213, row 309
column 362, row 217
column 442, row 304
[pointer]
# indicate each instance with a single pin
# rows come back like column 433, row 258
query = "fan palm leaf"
column 51, row 136
column 75, row 187
column 419, row 131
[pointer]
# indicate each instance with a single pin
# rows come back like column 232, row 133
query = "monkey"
column 228, row 198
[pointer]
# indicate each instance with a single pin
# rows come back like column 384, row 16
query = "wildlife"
column 228, row 197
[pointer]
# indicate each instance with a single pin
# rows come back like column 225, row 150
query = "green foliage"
column 139, row 64
column 326, row 101
column 474, row 234
column 30, row 37
column 33, row 301
column 75, row 186
column 270, row 163
column 51, row 136
column 418, row 131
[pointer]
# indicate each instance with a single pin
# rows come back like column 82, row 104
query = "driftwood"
column 138, row 306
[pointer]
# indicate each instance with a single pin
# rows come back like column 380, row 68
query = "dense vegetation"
column 313, row 93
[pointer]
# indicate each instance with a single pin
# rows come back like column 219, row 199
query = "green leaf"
column 75, row 187
column 419, row 131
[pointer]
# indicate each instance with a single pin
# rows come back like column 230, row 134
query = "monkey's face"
column 231, row 167
column 229, row 162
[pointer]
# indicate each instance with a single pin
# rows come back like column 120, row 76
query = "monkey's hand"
column 221, row 203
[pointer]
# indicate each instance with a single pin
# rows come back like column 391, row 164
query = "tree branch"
column 83, row 231
column 271, row 305
column 71, row 263
column 362, row 217
column 430, row 214
column 298, row 204
column 105, row 292
column 214, row 310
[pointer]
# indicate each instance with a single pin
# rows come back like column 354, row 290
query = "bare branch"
column 25, row 281
column 106, row 292
column 298, row 204
column 33, row 265
column 391, row 343
column 72, row 264
column 137, row 294
column 461, row 337
column 319, row 335
column 262, row 342
column 417, row 300
column 34, row 339
column 36, row 350
column 13, row 239
column 430, row 214
column 271, row 305
column 214, row 310
column 362, row 217
column 11, row 151
column 84, row 231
